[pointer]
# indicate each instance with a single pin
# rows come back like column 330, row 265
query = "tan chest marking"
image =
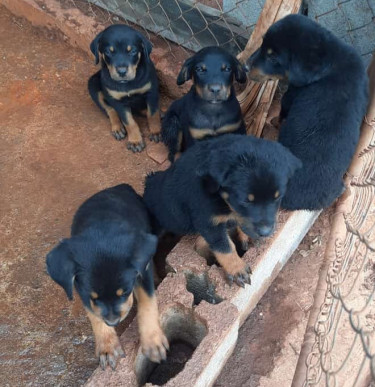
column 121, row 94
column 198, row 134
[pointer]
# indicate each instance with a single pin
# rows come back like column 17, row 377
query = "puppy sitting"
column 322, row 110
column 126, row 84
column 107, row 258
column 210, row 108
column 229, row 181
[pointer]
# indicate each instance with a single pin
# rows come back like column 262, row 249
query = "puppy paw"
column 136, row 146
column 119, row 134
column 240, row 274
column 155, row 137
column 154, row 345
column 109, row 351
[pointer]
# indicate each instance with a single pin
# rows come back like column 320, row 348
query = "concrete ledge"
column 222, row 320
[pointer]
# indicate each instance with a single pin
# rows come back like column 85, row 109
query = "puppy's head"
column 294, row 48
column 122, row 50
column 104, row 272
column 251, row 176
column 213, row 71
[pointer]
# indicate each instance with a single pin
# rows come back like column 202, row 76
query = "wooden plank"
column 255, row 100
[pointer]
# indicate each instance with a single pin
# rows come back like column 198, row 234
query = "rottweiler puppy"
column 127, row 83
column 109, row 258
column 230, row 181
column 322, row 109
column 210, row 108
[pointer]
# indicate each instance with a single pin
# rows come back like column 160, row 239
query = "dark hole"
column 202, row 288
column 180, row 352
column 184, row 331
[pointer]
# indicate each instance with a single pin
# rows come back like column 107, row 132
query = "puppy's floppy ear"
column 61, row 267
column 215, row 169
column 186, row 71
column 239, row 71
column 147, row 46
column 94, row 47
column 144, row 251
column 293, row 163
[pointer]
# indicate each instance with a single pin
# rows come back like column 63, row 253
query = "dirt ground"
column 55, row 151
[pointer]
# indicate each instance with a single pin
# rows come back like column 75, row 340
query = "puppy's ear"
column 146, row 46
column 239, row 71
column 144, row 251
column 61, row 267
column 186, row 71
column 293, row 163
column 215, row 169
column 94, row 47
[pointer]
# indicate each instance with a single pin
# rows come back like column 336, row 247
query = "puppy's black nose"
column 215, row 88
column 264, row 230
column 122, row 71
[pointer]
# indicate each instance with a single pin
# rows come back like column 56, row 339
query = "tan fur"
column 106, row 340
column 198, row 134
column 112, row 114
column 154, row 121
column 242, row 237
column 134, row 133
column 121, row 94
column 153, row 341
column 230, row 262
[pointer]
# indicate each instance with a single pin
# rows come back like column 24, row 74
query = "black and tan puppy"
column 210, row 108
column 108, row 258
column 322, row 110
column 127, row 83
column 230, row 181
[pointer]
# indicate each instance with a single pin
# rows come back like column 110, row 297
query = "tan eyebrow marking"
column 111, row 49
column 119, row 292
column 129, row 48
column 94, row 295
column 277, row 194
column 269, row 51
column 251, row 197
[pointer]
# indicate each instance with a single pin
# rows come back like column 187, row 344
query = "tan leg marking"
column 135, row 140
column 153, row 341
column 107, row 344
column 243, row 238
column 154, row 121
column 235, row 268
column 202, row 247
column 116, row 127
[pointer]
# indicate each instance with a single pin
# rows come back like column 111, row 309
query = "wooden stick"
column 256, row 99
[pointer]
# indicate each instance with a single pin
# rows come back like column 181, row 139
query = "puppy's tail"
column 171, row 134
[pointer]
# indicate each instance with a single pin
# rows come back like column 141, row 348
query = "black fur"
column 110, row 48
column 210, row 104
column 321, row 111
column 215, row 178
column 110, row 248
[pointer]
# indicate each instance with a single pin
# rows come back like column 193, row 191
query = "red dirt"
column 56, row 150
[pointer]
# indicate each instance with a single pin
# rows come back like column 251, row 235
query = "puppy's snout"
column 112, row 321
column 264, row 230
column 215, row 88
column 121, row 71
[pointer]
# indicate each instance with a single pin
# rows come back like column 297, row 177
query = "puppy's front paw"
column 109, row 351
column 119, row 133
column 155, row 137
column 239, row 273
column 154, row 345
column 136, row 146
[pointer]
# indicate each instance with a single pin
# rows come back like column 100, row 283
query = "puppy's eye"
column 109, row 50
column 133, row 51
column 226, row 68
column 200, row 69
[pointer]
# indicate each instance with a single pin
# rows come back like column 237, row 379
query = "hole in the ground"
column 201, row 288
column 165, row 245
column 184, row 332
